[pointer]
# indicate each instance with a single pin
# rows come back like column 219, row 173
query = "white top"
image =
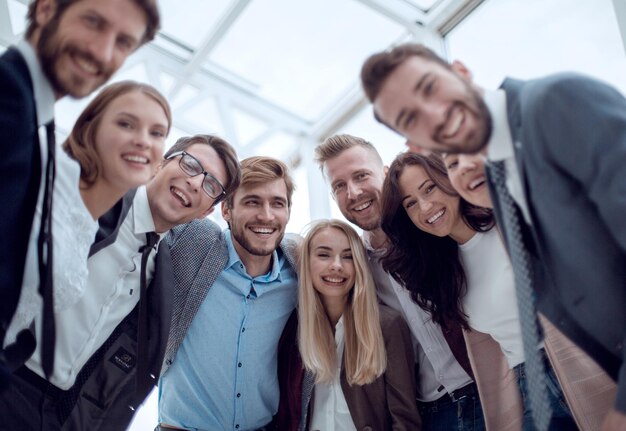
column 73, row 233
column 437, row 365
column 500, row 147
column 490, row 302
column 330, row 410
column 111, row 294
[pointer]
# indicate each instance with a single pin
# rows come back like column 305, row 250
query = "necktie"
column 142, row 325
column 522, row 269
column 44, row 254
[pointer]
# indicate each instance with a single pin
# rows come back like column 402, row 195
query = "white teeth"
column 86, row 65
column 136, row 159
column 181, row 196
column 477, row 182
column 363, row 206
column 262, row 230
column 334, row 279
column 454, row 124
column 436, row 217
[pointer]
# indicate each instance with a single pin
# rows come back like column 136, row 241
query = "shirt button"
column 248, row 297
column 238, row 395
column 239, row 365
column 237, row 426
column 243, row 330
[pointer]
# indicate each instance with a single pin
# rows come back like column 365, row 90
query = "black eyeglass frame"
column 206, row 174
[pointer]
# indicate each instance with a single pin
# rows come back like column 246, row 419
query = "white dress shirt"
column 330, row 409
column 437, row 365
column 500, row 147
column 111, row 294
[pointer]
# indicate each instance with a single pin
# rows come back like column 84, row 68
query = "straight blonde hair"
column 364, row 356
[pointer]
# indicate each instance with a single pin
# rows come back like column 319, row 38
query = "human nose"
column 424, row 203
column 336, row 264
column 102, row 47
column 196, row 181
column 353, row 190
column 466, row 164
column 265, row 213
column 142, row 139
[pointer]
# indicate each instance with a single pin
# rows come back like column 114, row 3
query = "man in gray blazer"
column 563, row 143
column 105, row 362
column 234, row 292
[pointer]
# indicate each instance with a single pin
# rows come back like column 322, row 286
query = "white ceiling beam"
column 209, row 43
column 620, row 13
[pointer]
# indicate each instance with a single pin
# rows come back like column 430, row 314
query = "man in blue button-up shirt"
column 236, row 290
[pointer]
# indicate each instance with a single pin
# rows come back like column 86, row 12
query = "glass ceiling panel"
column 206, row 116
column 303, row 55
column 17, row 13
column 554, row 36
column 247, row 126
column 425, row 5
column 190, row 21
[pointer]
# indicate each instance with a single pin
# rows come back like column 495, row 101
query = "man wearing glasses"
column 112, row 342
column 234, row 292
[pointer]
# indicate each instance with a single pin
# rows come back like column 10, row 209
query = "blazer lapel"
column 110, row 222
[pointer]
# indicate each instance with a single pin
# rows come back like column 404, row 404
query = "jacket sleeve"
column 589, row 148
column 400, row 374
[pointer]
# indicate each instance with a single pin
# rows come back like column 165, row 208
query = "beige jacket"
column 588, row 390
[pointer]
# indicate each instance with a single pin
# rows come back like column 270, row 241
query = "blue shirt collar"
column 234, row 261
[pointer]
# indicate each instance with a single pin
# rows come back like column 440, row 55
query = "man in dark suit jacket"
column 104, row 368
column 563, row 142
column 63, row 53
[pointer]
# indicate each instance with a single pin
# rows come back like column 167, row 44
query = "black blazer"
column 20, row 164
column 105, row 394
column 569, row 136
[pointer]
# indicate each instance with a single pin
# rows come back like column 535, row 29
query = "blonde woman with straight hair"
column 348, row 363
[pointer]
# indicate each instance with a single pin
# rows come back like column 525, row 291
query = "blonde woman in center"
column 348, row 364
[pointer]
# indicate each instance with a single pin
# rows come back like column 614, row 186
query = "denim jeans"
column 465, row 414
column 561, row 416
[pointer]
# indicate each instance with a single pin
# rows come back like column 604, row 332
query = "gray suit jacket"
column 199, row 254
column 569, row 135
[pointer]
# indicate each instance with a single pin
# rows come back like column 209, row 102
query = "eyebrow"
column 417, row 87
column 136, row 118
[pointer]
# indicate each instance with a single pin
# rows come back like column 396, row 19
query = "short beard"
column 239, row 236
column 49, row 50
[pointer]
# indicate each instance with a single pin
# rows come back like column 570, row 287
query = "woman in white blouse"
column 116, row 144
column 358, row 357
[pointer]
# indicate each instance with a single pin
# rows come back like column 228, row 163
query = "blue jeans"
column 444, row 414
column 561, row 416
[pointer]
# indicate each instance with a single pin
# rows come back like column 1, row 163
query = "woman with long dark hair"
column 452, row 260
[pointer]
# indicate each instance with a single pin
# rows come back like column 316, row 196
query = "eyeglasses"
column 192, row 167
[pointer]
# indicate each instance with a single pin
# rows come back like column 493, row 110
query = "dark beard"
column 49, row 50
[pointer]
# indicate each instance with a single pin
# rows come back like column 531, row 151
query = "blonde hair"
column 364, row 356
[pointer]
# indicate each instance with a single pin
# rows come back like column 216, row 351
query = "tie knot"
column 151, row 239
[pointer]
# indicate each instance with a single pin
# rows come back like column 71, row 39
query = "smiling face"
column 429, row 208
column 434, row 107
column 258, row 218
column 467, row 175
column 129, row 140
column 176, row 198
column 331, row 265
column 356, row 178
column 81, row 49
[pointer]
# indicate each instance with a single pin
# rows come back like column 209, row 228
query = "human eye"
column 279, row 204
column 430, row 87
column 322, row 254
column 124, row 124
column 125, row 43
column 158, row 133
column 339, row 187
column 453, row 163
column 92, row 20
column 430, row 188
column 362, row 176
column 410, row 120
column 348, row 256
column 409, row 204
